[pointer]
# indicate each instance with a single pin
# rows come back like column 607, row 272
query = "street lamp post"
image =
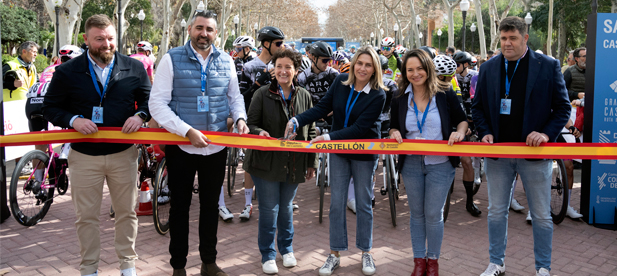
column 373, row 38
column 395, row 33
column 255, row 27
column 183, row 25
column 141, row 15
column 236, row 21
column 57, row 3
column 200, row 7
column 439, row 35
column 464, row 8
column 528, row 20
column 473, row 30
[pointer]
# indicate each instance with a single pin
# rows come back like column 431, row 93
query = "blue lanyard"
column 283, row 97
column 96, row 84
column 424, row 114
column 204, row 73
column 508, row 81
column 349, row 108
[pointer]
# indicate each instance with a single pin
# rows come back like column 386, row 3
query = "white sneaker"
column 295, row 206
column 573, row 213
column 494, row 270
column 543, row 272
column 330, row 265
column 351, row 204
column 368, row 264
column 528, row 217
column 246, row 213
column 128, row 272
column 269, row 267
column 225, row 214
column 289, row 260
column 514, row 205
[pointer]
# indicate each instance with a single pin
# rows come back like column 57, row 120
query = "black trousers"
column 181, row 168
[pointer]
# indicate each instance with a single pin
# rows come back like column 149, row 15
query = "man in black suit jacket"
column 520, row 97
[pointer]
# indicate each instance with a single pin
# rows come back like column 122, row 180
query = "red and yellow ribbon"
column 376, row 146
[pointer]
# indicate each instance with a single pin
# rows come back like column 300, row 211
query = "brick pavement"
column 51, row 248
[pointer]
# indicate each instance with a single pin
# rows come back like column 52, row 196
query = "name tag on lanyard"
column 506, row 104
column 203, row 104
column 97, row 111
column 97, row 114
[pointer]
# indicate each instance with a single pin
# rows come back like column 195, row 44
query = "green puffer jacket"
column 267, row 112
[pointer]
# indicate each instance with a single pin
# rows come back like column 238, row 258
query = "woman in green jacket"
column 277, row 173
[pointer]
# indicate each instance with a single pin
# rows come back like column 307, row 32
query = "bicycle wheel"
column 559, row 192
column 391, row 190
column 161, row 201
column 29, row 202
column 322, row 184
column 232, row 166
column 446, row 207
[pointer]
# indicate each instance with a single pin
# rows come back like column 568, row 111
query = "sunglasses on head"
column 386, row 48
column 66, row 52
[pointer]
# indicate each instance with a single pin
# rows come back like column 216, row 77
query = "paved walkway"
column 51, row 247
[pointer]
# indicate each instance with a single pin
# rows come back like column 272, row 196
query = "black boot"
column 471, row 207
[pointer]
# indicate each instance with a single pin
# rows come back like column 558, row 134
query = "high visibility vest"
column 29, row 80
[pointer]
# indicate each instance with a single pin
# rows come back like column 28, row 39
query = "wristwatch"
column 142, row 115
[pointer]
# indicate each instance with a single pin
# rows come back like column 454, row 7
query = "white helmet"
column 70, row 51
column 244, row 41
column 444, row 65
column 144, row 45
column 387, row 42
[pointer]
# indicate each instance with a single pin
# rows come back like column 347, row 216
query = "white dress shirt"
column 160, row 97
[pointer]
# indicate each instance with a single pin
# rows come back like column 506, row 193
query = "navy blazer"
column 450, row 111
column 547, row 108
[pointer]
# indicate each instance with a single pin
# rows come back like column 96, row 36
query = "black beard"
column 105, row 58
column 204, row 46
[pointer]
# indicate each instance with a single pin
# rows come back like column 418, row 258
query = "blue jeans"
column 275, row 213
column 427, row 188
column 341, row 170
column 536, row 177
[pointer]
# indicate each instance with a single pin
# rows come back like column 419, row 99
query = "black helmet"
column 462, row 57
column 307, row 49
column 377, row 49
column 321, row 49
column 429, row 50
column 384, row 62
column 269, row 34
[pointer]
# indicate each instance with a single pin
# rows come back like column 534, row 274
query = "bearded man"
column 101, row 88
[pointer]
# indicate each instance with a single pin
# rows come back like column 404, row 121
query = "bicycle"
column 323, row 172
column 559, row 191
column 30, row 198
column 162, row 198
column 391, row 180
column 233, row 159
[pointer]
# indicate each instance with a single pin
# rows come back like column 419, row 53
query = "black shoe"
column 473, row 210
column 179, row 272
column 373, row 202
column 211, row 270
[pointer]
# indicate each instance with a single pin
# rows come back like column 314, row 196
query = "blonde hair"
column 432, row 84
column 376, row 80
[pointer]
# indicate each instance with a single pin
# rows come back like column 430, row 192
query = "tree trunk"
column 77, row 26
column 67, row 17
column 450, row 8
column 125, row 23
column 414, row 26
column 549, row 50
column 481, row 36
column 496, row 19
column 166, row 22
column 614, row 6
column 561, row 52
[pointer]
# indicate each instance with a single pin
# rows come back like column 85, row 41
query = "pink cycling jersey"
column 148, row 64
column 48, row 73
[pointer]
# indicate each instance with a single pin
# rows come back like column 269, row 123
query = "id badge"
column 420, row 138
column 505, row 106
column 97, row 115
column 202, row 104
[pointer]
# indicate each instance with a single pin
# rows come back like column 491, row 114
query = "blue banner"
column 603, row 190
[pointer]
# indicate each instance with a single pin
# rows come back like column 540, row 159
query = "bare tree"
column 482, row 37
column 450, row 7
column 496, row 19
column 69, row 13
column 549, row 39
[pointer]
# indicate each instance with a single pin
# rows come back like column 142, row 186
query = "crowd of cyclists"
column 385, row 74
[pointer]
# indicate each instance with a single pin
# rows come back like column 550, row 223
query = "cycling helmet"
column 352, row 47
column 292, row 43
column 269, row 34
column 384, row 62
column 429, row 50
column 377, row 49
column 339, row 55
column 307, row 49
column 321, row 49
column 400, row 50
column 244, row 41
column 474, row 61
column 70, row 51
column 345, row 68
column 462, row 57
column 144, row 45
column 444, row 65
column 305, row 65
column 387, row 42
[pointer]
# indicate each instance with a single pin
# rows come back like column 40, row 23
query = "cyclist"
column 243, row 45
column 144, row 49
column 292, row 46
column 352, row 50
column 255, row 73
column 470, row 177
column 338, row 60
column 37, row 92
column 394, row 62
column 305, row 65
column 320, row 77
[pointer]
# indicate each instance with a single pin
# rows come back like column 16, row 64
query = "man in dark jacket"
column 82, row 88
column 575, row 75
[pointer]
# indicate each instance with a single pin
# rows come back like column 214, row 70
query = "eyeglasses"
column 239, row 49
column 66, row 52
column 458, row 65
column 278, row 43
column 450, row 76
column 386, row 48
column 326, row 60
